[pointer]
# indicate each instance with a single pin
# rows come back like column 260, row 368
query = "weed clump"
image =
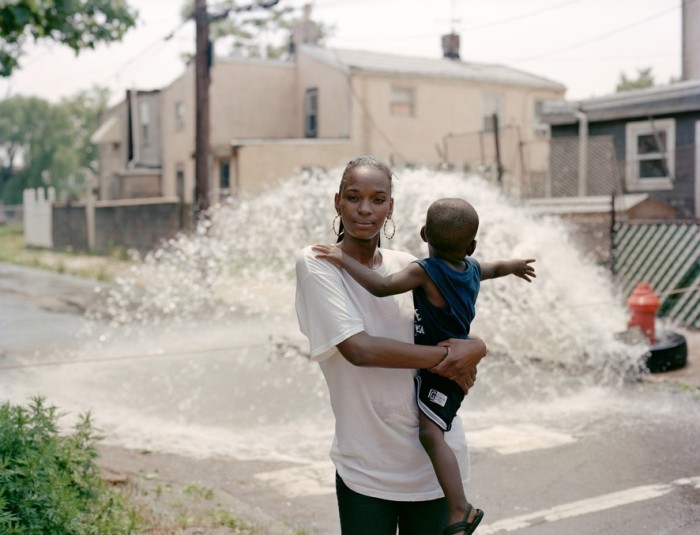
column 49, row 481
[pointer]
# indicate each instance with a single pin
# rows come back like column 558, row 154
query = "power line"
column 522, row 16
column 601, row 36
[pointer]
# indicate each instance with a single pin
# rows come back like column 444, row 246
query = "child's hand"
column 331, row 253
column 523, row 269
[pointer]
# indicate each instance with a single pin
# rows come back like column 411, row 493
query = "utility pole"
column 496, row 139
column 203, row 59
column 201, row 76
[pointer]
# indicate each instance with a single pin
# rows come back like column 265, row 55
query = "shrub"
column 49, row 482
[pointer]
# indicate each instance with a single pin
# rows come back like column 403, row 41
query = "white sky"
column 584, row 44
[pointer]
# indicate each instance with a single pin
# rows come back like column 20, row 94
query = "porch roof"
column 674, row 98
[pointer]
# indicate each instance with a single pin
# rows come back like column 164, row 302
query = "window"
column 179, row 116
column 541, row 129
column 145, row 116
column 311, row 112
column 403, row 102
column 650, row 152
column 224, row 174
column 180, row 182
column 490, row 105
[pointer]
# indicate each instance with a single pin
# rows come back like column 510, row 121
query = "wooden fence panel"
column 666, row 255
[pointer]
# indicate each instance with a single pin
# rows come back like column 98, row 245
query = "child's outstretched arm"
column 518, row 267
column 412, row 276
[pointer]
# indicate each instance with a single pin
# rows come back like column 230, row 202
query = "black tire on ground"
column 670, row 352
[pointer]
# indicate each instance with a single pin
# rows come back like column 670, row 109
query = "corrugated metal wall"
column 666, row 255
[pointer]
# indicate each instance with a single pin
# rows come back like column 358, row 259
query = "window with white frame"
column 179, row 115
column 403, row 102
column 650, row 154
column 491, row 105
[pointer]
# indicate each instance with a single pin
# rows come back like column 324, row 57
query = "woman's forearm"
column 362, row 349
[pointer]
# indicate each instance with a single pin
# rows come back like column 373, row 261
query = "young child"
column 445, row 286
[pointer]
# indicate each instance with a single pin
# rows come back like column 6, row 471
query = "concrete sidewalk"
column 689, row 375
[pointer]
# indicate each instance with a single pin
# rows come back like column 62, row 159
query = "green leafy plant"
column 49, row 481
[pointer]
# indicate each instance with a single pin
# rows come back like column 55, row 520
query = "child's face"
column 364, row 202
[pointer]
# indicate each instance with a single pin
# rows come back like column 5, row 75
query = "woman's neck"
column 365, row 252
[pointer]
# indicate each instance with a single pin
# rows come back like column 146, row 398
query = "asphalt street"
column 595, row 462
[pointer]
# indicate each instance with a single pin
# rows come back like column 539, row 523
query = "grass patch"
column 89, row 266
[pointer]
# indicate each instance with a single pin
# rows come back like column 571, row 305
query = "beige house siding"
column 258, row 167
column 257, row 119
column 124, row 175
column 447, row 123
column 146, row 128
column 253, row 99
column 178, row 140
column 112, row 156
column 333, row 93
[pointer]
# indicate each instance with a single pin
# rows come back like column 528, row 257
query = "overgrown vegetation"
column 101, row 268
column 171, row 508
column 49, row 482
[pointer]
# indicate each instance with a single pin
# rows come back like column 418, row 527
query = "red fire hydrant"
column 643, row 303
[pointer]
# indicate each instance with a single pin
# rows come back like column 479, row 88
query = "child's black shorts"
column 438, row 398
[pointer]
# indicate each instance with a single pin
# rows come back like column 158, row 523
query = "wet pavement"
column 598, row 463
column 689, row 375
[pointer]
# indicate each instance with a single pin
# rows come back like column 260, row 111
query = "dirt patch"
column 181, row 495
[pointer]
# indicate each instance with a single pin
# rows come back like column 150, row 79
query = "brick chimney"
column 450, row 46
column 691, row 40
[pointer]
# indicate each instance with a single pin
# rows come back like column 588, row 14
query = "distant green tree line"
column 48, row 144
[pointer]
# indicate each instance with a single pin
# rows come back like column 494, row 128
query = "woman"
column 364, row 346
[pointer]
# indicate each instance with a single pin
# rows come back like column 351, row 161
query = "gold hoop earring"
column 336, row 232
column 393, row 228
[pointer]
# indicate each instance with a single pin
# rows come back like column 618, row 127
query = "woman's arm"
column 462, row 358
column 454, row 358
column 409, row 278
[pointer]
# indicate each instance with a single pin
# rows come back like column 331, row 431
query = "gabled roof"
column 392, row 64
column 674, row 98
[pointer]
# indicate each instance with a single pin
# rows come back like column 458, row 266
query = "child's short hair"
column 451, row 223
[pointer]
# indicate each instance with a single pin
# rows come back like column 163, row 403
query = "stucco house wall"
column 334, row 96
column 178, row 136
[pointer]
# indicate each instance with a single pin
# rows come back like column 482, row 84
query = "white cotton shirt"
column 375, row 448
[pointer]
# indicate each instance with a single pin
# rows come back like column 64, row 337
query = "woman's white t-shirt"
column 375, row 448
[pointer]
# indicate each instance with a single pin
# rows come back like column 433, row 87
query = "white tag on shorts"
column 437, row 397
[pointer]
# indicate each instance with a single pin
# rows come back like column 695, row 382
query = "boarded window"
column 403, row 102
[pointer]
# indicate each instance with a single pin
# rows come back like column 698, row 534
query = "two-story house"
column 270, row 119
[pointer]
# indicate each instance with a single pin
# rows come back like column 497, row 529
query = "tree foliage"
column 79, row 24
column 644, row 79
column 48, row 144
column 255, row 33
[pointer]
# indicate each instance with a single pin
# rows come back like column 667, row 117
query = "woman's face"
column 364, row 202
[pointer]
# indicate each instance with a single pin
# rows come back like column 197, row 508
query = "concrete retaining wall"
column 139, row 224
